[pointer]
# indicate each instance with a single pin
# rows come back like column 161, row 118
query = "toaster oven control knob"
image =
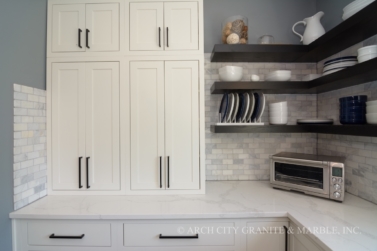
column 340, row 180
column 337, row 195
column 334, row 180
column 337, row 187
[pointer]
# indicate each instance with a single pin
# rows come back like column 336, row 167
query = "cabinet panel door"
column 182, row 124
column 147, row 125
column 266, row 236
column 68, row 124
column 182, row 26
column 102, row 21
column 67, row 20
column 102, row 125
column 146, row 26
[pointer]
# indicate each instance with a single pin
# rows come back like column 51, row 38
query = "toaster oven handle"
column 301, row 161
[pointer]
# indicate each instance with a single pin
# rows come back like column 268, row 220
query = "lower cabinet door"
column 102, row 126
column 266, row 236
column 52, row 233
column 178, row 235
column 182, row 124
column 299, row 241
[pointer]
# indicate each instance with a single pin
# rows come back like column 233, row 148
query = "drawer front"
column 68, row 234
column 266, row 235
column 148, row 235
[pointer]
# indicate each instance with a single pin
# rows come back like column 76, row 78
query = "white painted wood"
column 181, row 18
column 266, row 236
column 146, row 19
column 147, row 124
column 147, row 235
column 299, row 240
column 182, row 124
column 102, row 20
column 96, row 234
column 102, row 125
column 67, row 19
column 68, row 123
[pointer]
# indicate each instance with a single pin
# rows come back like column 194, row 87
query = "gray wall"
column 22, row 60
column 333, row 10
column 272, row 17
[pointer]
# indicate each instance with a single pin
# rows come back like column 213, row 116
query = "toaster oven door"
column 300, row 175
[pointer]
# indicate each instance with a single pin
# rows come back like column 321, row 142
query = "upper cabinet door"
column 182, row 124
column 68, row 28
column 181, row 26
column 147, row 125
column 146, row 27
column 102, row 26
column 68, row 123
column 102, row 126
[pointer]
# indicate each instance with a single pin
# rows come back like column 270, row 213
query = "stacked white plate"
column 367, row 53
column 372, row 112
column 355, row 7
column 338, row 64
column 278, row 113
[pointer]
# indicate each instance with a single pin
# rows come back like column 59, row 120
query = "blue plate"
column 362, row 98
column 353, row 103
column 224, row 107
column 357, row 109
column 241, row 107
column 351, row 58
column 256, row 107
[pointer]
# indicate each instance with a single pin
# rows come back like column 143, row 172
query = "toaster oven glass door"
column 302, row 175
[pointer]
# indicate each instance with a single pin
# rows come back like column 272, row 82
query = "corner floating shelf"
column 355, row 75
column 357, row 28
column 354, row 130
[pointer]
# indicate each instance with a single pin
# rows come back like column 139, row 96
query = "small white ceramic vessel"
column 372, row 118
column 279, row 76
column 371, row 109
column 231, row 73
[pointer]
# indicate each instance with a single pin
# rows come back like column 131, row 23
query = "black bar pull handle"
column 179, row 237
column 53, row 236
column 160, row 171
column 167, row 36
column 168, row 172
column 80, row 185
column 286, row 238
column 80, row 38
column 87, row 172
column 87, row 38
column 159, row 36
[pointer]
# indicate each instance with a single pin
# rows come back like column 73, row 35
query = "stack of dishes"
column 241, row 108
column 352, row 109
column 355, row 7
column 338, row 64
column 367, row 53
column 372, row 112
column 278, row 113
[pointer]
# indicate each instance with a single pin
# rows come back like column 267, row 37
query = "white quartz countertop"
column 227, row 199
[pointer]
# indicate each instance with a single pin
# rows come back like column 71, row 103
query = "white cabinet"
column 159, row 26
column 299, row 240
column 85, row 126
column 164, row 125
column 85, row 27
column 266, row 236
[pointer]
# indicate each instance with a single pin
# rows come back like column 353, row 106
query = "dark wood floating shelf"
column 355, row 75
column 357, row 28
column 354, row 130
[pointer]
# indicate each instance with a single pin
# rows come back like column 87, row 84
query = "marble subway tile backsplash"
column 29, row 152
column 246, row 156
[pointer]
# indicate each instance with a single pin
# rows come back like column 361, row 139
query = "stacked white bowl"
column 367, row 53
column 355, row 7
column 278, row 113
column 372, row 112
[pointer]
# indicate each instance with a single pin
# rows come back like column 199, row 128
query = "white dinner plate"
column 247, row 106
column 252, row 106
column 230, row 107
column 236, row 106
column 262, row 105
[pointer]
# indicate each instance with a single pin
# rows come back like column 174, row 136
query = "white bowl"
column 278, row 120
column 279, row 76
column 373, row 102
column 356, row 4
column 278, row 109
column 281, row 115
column 372, row 118
column 367, row 50
column 366, row 57
column 231, row 73
column 371, row 109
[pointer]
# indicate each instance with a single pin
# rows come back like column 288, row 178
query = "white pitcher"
column 314, row 28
